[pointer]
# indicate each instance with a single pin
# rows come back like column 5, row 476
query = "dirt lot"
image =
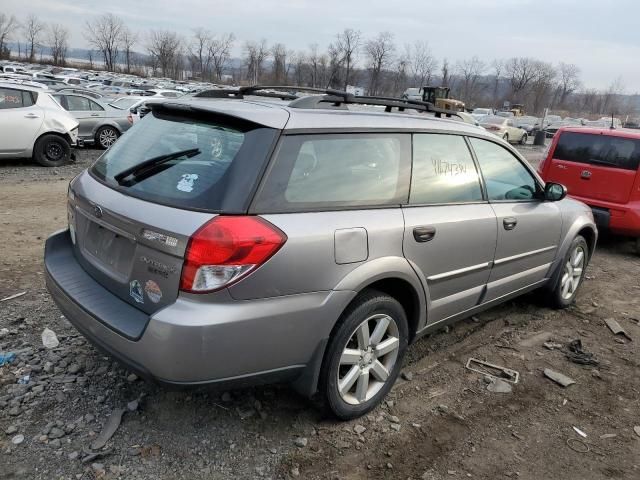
column 440, row 421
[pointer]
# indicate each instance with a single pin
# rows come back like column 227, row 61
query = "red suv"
column 599, row 166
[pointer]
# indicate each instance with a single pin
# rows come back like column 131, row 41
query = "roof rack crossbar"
column 330, row 97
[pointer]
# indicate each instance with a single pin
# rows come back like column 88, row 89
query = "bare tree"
column 521, row 71
column 164, row 48
column 446, row 75
column 59, row 43
column 8, row 24
column 542, row 85
column 33, row 30
column 498, row 67
column 127, row 40
column 347, row 44
column 422, row 62
column 104, row 34
column 611, row 102
column 379, row 51
column 220, row 53
column 200, row 51
column 568, row 81
column 470, row 70
column 279, row 54
column 314, row 64
column 400, row 76
column 334, row 66
column 255, row 56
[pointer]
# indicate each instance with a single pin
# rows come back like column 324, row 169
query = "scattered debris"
column 552, row 346
column 359, row 429
column 577, row 445
column 91, row 456
column 498, row 385
column 577, row 354
column 18, row 439
column 132, row 377
column 491, row 370
column 24, row 380
column 616, row 329
column 608, row 435
column 110, row 427
column 7, row 358
column 300, row 442
column 559, row 378
column 11, row 297
column 536, row 339
column 408, row 376
column 49, row 339
column 580, row 432
column 132, row 406
column 637, row 430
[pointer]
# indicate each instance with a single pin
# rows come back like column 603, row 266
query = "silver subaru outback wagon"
column 248, row 240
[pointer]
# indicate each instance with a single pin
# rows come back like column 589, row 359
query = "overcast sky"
column 600, row 37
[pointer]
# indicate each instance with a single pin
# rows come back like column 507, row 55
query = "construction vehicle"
column 517, row 109
column 439, row 97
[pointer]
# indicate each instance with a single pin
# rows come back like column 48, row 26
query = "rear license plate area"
column 108, row 249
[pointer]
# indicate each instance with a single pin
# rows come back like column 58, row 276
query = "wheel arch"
column 65, row 136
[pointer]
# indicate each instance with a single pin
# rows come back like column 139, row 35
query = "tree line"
column 378, row 64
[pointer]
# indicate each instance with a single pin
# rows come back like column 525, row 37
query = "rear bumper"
column 622, row 219
column 194, row 342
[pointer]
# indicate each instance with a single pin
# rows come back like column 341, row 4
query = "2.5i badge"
column 135, row 290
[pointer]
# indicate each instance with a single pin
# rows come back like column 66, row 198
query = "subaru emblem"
column 97, row 211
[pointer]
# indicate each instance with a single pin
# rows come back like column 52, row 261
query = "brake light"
column 226, row 249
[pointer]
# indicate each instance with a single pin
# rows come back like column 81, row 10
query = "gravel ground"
column 440, row 421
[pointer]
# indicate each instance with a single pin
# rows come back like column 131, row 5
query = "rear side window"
column 604, row 150
column 443, row 170
column 10, row 98
column 323, row 172
column 78, row 104
column 217, row 171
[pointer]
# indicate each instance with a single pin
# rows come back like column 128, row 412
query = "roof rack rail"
column 239, row 93
column 329, row 98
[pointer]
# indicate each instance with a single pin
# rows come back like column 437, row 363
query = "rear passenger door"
column 450, row 229
column 80, row 108
column 20, row 121
column 528, row 226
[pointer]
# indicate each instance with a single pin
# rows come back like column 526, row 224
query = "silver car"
column 100, row 123
column 239, row 241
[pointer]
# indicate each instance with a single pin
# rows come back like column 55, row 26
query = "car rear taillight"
column 226, row 249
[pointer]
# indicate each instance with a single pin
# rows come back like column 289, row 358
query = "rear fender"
column 386, row 268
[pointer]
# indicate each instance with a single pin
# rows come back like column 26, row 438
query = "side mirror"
column 554, row 192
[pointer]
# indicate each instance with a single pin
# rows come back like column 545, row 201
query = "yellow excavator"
column 439, row 96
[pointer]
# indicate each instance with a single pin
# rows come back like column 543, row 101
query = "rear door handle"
column 585, row 174
column 509, row 223
column 31, row 115
column 424, row 234
column 95, row 114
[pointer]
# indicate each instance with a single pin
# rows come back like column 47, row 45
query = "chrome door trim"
column 504, row 260
column 460, row 271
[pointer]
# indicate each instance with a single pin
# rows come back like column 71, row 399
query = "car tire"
column 523, row 140
column 505, row 137
column 51, row 151
column 106, row 136
column 562, row 295
column 359, row 368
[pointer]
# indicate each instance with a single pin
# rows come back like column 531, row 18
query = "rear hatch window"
column 196, row 161
column 595, row 166
column 602, row 150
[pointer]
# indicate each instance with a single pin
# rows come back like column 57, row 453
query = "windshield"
column 482, row 111
column 493, row 120
column 213, row 169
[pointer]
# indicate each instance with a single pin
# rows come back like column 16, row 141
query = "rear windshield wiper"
column 146, row 168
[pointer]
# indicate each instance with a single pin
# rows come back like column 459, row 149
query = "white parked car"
column 480, row 113
column 34, row 125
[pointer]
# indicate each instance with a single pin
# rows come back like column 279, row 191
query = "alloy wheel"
column 107, row 137
column 368, row 359
column 572, row 273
